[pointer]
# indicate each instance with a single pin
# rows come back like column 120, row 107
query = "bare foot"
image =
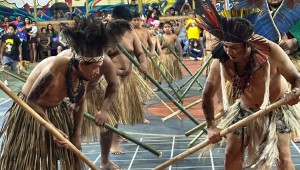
column 146, row 121
column 121, row 139
column 116, row 149
column 109, row 166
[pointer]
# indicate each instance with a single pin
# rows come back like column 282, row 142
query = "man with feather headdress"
column 260, row 72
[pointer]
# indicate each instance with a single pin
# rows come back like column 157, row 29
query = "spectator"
column 17, row 20
column 195, row 49
column 59, row 16
column 31, row 39
column 63, row 44
column 11, row 50
column 44, row 43
column 5, row 23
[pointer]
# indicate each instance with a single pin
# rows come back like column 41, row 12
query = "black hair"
column 12, row 25
column 168, row 23
column 43, row 28
column 116, row 29
column 136, row 15
column 121, row 12
column 87, row 37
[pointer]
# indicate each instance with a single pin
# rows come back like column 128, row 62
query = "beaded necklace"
column 74, row 96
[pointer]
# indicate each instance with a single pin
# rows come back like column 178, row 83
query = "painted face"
column 235, row 51
column 136, row 22
column 167, row 28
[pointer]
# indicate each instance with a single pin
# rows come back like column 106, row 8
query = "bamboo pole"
column 157, row 66
column 201, row 125
column 164, row 103
column 168, row 72
column 19, row 77
column 224, row 132
column 196, row 77
column 175, row 55
column 178, row 111
column 123, row 134
column 195, row 139
column 192, row 77
column 120, row 47
column 47, row 125
column 164, row 76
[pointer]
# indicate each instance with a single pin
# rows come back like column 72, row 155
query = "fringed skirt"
column 28, row 145
column 172, row 65
column 94, row 101
column 262, row 133
column 129, row 98
column 153, row 71
column 144, row 90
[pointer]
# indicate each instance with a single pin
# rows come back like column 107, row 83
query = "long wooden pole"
column 224, row 132
column 47, row 125
column 123, row 134
column 201, row 126
column 178, row 111
column 120, row 47
column 196, row 77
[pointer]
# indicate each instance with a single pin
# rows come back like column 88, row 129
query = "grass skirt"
column 172, row 64
column 129, row 98
column 94, row 101
column 263, row 134
column 153, row 71
column 28, row 145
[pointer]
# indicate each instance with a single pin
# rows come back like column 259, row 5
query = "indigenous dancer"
column 259, row 70
column 26, row 144
column 100, row 100
column 280, row 31
column 131, row 105
column 167, row 57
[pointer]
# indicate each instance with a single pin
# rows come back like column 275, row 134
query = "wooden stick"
column 195, row 139
column 178, row 111
column 201, row 125
column 19, row 77
column 224, row 132
column 47, row 125
column 123, row 134
column 164, row 103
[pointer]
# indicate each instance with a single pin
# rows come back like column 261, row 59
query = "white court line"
column 137, row 148
column 297, row 148
column 212, row 161
column 96, row 160
column 172, row 151
column 5, row 101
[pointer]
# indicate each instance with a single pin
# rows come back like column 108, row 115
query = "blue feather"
column 286, row 17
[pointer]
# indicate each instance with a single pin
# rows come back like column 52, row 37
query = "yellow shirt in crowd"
column 193, row 31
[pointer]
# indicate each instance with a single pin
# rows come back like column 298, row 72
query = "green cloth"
column 295, row 31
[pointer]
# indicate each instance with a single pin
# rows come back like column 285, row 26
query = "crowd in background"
column 38, row 43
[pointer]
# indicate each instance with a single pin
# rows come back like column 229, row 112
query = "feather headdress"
column 273, row 26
